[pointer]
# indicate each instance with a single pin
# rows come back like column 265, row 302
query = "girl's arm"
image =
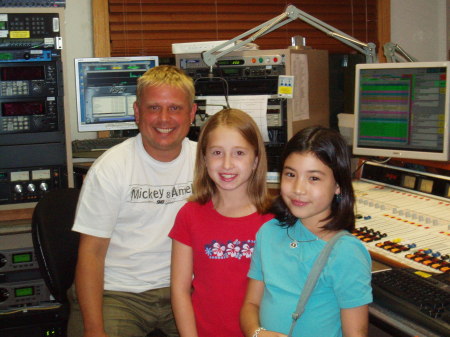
column 181, row 283
column 355, row 321
column 250, row 311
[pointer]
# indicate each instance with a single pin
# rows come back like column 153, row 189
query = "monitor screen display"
column 402, row 110
column 106, row 91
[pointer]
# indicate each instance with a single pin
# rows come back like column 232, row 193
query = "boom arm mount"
column 392, row 50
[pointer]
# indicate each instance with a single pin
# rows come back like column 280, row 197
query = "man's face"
column 164, row 116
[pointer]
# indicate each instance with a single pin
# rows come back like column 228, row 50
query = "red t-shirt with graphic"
column 222, row 250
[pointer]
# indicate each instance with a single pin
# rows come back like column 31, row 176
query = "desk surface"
column 15, row 226
column 87, row 154
column 17, row 212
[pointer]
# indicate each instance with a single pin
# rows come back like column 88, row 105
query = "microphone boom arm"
column 392, row 50
column 292, row 13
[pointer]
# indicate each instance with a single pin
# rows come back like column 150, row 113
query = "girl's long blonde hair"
column 204, row 187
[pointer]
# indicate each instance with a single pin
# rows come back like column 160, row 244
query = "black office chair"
column 55, row 244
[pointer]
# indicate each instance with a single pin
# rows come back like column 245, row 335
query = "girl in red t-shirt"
column 214, row 233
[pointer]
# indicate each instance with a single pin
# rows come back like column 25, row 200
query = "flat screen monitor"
column 106, row 91
column 402, row 110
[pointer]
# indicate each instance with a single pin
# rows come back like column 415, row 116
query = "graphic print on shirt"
column 232, row 249
column 165, row 194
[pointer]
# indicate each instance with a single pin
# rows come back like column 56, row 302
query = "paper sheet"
column 254, row 105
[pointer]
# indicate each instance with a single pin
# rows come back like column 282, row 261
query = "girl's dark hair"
column 329, row 147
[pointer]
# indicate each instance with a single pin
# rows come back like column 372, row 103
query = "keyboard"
column 424, row 301
column 97, row 144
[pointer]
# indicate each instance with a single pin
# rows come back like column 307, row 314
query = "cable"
column 365, row 161
column 211, row 77
column 226, row 89
column 41, row 307
column 226, row 85
column 383, row 161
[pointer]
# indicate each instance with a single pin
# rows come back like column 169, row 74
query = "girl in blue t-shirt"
column 316, row 201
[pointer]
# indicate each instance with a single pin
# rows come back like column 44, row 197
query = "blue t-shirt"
column 344, row 282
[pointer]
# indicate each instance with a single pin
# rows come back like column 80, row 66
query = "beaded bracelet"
column 257, row 331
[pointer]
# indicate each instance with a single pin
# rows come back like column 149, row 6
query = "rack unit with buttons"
column 32, row 124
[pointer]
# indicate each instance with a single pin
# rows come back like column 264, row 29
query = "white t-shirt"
column 133, row 199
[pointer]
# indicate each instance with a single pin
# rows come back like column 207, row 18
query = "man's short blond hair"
column 166, row 75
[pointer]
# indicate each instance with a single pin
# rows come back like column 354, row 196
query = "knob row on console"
column 30, row 187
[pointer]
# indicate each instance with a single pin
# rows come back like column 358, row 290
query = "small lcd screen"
column 21, row 258
column 22, row 73
column 23, row 108
column 25, row 291
column 230, row 62
column 231, row 71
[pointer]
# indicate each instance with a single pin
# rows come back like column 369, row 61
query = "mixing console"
column 402, row 227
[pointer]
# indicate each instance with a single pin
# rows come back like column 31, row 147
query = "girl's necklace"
column 294, row 243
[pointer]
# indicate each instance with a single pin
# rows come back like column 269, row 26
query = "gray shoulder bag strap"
column 313, row 277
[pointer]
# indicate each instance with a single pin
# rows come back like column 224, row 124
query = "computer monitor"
column 106, row 91
column 402, row 110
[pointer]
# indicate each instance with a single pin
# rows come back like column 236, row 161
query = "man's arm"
column 89, row 282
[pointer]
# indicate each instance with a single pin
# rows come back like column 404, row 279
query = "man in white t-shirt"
column 128, row 203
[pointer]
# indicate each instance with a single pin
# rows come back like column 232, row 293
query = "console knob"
column 31, row 188
column 37, row 88
column 18, row 188
column 2, row 260
column 4, row 294
column 43, row 187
